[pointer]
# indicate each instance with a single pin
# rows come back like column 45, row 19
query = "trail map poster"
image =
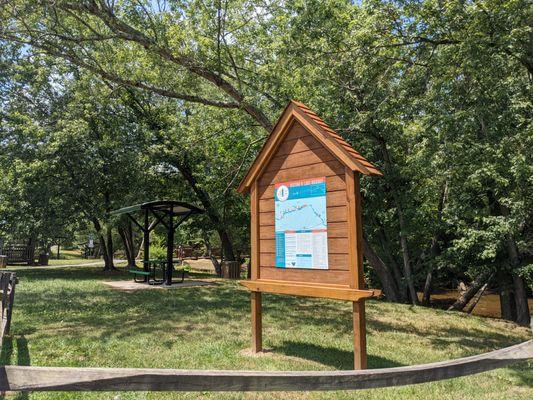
column 301, row 224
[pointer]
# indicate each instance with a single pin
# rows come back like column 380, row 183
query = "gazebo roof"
column 167, row 206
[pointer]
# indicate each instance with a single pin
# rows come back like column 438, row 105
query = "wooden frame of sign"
column 303, row 150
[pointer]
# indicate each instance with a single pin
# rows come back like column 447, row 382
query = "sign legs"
column 257, row 323
column 359, row 335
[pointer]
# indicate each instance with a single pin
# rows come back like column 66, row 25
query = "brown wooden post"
column 355, row 255
column 359, row 334
column 257, row 326
column 257, row 323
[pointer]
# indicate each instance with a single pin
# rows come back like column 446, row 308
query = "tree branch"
column 103, row 12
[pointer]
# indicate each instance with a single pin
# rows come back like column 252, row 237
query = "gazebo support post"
column 170, row 248
column 146, row 241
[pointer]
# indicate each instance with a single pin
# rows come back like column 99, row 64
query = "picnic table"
column 149, row 274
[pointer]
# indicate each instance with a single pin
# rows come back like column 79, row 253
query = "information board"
column 301, row 224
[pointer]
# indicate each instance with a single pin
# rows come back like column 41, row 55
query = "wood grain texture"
column 291, row 146
column 326, row 276
column 298, row 121
column 326, row 169
column 359, row 334
column 304, row 288
column 254, row 233
column 21, row 378
column 355, row 261
column 257, row 322
column 295, row 131
column 300, row 159
column 272, row 143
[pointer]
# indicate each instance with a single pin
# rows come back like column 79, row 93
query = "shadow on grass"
column 523, row 373
column 23, row 358
column 7, row 351
column 332, row 356
column 82, row 273
column 125, row 314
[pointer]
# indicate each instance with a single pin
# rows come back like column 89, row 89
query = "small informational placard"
column 301, row 224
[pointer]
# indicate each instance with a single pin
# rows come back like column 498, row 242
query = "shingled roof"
column 332, row 141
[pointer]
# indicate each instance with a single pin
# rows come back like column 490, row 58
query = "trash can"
column 43, row 259
column 231, row 270
column 3, row 261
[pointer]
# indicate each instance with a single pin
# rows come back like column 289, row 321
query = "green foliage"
column 437, row 94
column 158, row 248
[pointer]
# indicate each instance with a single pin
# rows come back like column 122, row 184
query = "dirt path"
column 99, row 263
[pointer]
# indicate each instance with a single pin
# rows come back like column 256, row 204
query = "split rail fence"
column 28, row 378
column 20, row 378
column 8, row 281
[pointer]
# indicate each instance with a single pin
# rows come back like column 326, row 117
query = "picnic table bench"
column 140, row 272
column 150, row 275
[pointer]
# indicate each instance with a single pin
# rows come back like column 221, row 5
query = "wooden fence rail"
column 18, row 378
column 8, row 281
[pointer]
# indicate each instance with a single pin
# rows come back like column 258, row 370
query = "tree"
column 435, row 93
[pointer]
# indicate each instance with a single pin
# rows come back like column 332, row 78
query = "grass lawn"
column 69, row 257
column 67, row 317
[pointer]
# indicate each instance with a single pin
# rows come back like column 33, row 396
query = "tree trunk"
column 101, row 239
column 397, row 273
column 103, row 249
column 520, row 297
column 225, row 241
column 476, row 299
column 426, row 297
column 463, row 300
column 507, row 304
column 403, row 228
column 435, row 246
column 125, row 231
column 212, row 257
column 109, row 263
column 387, row 280
column 406, row 260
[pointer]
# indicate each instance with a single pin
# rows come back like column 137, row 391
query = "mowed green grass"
column 70, row 257
column 68, row 317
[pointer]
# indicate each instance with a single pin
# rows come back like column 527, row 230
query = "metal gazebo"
column 169, row 213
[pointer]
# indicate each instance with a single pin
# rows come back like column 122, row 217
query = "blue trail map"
column 301, row 224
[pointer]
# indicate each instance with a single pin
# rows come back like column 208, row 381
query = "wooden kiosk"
column 306, row 230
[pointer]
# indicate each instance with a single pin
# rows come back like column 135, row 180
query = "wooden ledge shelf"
column 338, row 292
